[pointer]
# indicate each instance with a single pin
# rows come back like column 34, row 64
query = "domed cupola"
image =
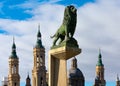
column 76, row 77
column 74, row 71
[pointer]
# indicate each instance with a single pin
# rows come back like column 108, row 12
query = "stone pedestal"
column 58, row 64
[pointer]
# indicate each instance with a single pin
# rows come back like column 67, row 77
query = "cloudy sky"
column 98, row 26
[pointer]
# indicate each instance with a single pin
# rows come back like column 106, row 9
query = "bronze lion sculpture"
column 68, row 26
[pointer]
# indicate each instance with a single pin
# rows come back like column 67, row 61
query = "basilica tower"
column 28, row 81
column 39, row 69
column 117, row 81
column 99, row 80
column 13, row 76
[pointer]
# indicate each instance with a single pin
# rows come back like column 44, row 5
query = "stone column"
column 58, row 64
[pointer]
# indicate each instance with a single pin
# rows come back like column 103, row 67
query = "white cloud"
column 97, row 27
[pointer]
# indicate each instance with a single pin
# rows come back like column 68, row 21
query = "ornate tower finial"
column 117, row 81
column 74, row 63
column 28, row 75
column 39, row 26
column 117, row 77
column 13, row 39
column 100, row 59
column 39, row 34
column 28, row 80
column 39, row 41
column 13, row 53
column 13, row 46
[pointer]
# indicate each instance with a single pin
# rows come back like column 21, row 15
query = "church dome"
column 75, row 73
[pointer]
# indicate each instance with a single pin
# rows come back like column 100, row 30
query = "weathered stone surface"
column 57, row 64
column 65, row 52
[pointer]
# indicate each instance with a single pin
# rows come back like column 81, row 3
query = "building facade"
column 99, row 80
column 39, row 69
column 13, row 76
column 39, row 75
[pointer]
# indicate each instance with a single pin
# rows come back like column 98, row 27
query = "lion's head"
column 70, row 11
column 70, row 14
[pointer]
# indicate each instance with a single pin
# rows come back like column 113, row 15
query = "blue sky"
column 97, row 27
column 11, row 9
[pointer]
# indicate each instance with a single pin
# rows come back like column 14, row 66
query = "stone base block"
column 65, row 52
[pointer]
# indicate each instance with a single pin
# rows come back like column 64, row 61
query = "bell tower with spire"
column 13, row 76
column 39, row 69
column 117, row 81
column 28, row 81
column 99, row 80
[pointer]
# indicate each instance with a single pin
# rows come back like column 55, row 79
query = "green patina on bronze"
column 70, row 43
column 66, row 31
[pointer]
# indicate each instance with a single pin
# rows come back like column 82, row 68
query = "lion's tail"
column 52, row 36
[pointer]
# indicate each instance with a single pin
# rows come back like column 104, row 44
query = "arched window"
column 41, row 60
column 14, row 69
column 37, row 60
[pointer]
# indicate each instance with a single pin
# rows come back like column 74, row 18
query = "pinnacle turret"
column 13, row 53
column 39, row 41
column 28, row 81
column 39, row 34
column 117, row 77
column 74, row 63
column 28, row 76
column 117, row 81
column 99, row 63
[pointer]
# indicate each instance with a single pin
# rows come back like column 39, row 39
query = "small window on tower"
column 37, row 61
column 15, row 84
column 37, row 55
column 41, row 84
column 41, row 61
column 14, row 69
